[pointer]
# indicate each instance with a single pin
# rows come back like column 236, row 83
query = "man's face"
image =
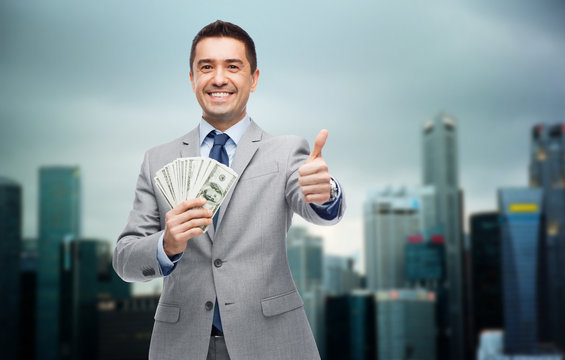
column 212, row 195
column 222, row 80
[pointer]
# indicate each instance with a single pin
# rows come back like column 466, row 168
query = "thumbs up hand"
column 314, row 177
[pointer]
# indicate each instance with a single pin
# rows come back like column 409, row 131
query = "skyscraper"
column 10, row 242
column 390, row 216
column 350, row 324
column 406, row 324
column 424, row 262
column 521, row 223
column 305, row 258
column 28, row 298
column 124, row 327
column 486, row 249
column 339, row 276
column 547, row 172
column 59, row 222
column 88, row 279
column 440, row 169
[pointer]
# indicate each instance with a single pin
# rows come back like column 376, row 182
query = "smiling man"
column 228, row 293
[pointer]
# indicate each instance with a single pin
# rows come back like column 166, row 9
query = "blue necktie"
column 220, row 154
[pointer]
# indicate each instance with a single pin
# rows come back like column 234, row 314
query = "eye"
column 233, row 67
column 206, row 67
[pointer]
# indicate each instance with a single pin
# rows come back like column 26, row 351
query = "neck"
column 223, row 124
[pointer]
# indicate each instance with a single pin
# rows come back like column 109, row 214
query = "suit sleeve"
column 135, row 256
column 297, row 156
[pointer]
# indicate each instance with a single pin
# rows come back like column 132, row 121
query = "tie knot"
column 219, row 139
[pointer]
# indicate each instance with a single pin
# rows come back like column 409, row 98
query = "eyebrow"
column 207, row 61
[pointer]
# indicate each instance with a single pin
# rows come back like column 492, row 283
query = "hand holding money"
column 194, row 188
column 314, row 177
column 183, row 222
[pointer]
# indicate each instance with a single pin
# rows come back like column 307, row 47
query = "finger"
column 192, row 224
column 315, row 179
column 317, row 198
column 173, row 219
column 319, row 144
column 188, row 204
column 312, row 167
column 316, row 189
column 192, row 214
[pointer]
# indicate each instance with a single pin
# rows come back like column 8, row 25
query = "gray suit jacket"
column 262, row 313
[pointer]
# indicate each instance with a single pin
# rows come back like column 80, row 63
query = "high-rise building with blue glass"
column 59, row 222
column 547, row 172
column 521, row 223
column 10, row 243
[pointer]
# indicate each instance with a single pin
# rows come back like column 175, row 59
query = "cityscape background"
column 95, row 85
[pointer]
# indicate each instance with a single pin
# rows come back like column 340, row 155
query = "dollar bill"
column 216, row 187
column 189, row 178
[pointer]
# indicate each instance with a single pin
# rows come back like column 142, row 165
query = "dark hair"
column 221, row 28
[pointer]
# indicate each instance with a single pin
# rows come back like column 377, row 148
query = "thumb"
column 319, row 144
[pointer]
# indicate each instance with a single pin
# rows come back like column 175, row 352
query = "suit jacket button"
column 209, row 305
column 218, row 263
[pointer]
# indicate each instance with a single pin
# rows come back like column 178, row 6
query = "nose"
column 220, row 77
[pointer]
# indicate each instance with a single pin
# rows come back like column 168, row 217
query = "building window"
column 541, row 155
column 553, row 228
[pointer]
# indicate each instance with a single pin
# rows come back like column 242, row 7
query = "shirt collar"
column 235, row 132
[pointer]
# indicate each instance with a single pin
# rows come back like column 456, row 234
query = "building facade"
column 59, row 222
column 406, row 324
column 521, row 223
column 350, row 326
column 547, row 172
column 10, row 243
column 391, row 214
column 441, row 170
column 88, row 279
column 305, row 258
column 486, row 275
column 339, row 275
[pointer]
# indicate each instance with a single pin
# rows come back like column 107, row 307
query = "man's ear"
column 254, row 80
column 192, row 81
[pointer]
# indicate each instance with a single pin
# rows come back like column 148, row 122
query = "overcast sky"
column 96, row 84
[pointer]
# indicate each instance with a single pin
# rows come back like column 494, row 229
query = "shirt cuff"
column 330, row 209
column 167, row 265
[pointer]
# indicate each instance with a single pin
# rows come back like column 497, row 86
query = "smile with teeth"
column 220, row 94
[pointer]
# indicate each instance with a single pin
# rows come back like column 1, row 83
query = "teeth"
column 220, row 94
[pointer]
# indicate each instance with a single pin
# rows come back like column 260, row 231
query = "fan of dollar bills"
column 189, row 178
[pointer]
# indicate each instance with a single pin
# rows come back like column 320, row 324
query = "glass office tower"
column 547, row 172
column 521, row 222
column 10, row 243
column 59, row 222
column 486, row 250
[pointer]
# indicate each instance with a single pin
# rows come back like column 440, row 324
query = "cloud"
column 97, row 84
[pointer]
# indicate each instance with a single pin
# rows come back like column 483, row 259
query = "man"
column 228, row 293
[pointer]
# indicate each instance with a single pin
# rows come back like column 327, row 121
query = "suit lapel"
column 246, row 148
column 191, row 148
